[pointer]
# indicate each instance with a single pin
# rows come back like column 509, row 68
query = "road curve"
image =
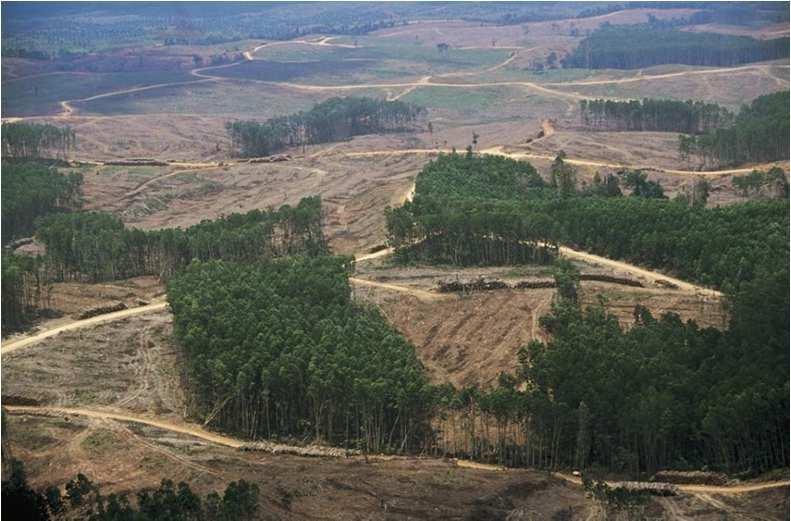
column 13, row 345
column 199, row 432
column 639, row 272
column 702, row 489
column 182, row 428
column 419, row 293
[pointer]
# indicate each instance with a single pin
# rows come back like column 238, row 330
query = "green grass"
column 461, row 100
column 100, row 441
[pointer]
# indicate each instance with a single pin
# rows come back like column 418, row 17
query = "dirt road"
column 9, row 346
column 199, row 432
column 702, row 489
column 653, row 77
column 640, row 273
column 419, row 293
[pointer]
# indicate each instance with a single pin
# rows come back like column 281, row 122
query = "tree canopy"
column 335, row 119
column 637, row 46
column 278, row 348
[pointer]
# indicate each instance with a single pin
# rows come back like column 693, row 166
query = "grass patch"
column 100, row 441
column 462, row 100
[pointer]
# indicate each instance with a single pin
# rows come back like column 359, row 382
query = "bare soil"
column 471, row 339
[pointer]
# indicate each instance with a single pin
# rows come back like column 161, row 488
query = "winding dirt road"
column 640, row 273
column 9, row 346
column 196, row 431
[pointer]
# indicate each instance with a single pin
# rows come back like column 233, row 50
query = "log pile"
column 316, row 451
column 691, row 477
column 611, row 279
column 276, row 158
column 136, row 162
column 100, row 310
column 653, row 488
column 481, row 284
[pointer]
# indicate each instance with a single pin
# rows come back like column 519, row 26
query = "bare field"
column 731, row 88
column 471, row 339
column 354, row 190
column 126, row 458
column 130, row 364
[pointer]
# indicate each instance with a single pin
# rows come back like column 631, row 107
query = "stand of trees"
column 449, row 222
column 462, row 214
column 333, row 120
column 31, row 190
column 685, row 396
column 83, row 500
column 279, row 348
column 35, row 140
column 637, row 46
column 759, row 133
column 95, row 246
column 690, row 117
column 25, row 289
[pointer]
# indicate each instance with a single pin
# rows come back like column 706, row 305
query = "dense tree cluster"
column 25, row 289
column 690, row 117
column 83, row 500
column 715, row 246
column 94, row 246
column 759, row 133
column 31, row 190
column 462, row 213
column 36, row 140
column 637, row 46
column 336, row 119
column 686, row 396
column 278, row 348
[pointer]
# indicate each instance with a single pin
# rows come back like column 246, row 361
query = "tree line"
column 458, row 215
column 686, row 397
column 31, row 190
column 465, row 212
column 95, row 246
column 278, row 348
column 83, row 500
column 758, row 133
column 336, row 119
column 661, row 115
column 638, row 46
column 35, row 140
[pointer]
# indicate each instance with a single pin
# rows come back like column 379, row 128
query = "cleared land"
column 125, row 366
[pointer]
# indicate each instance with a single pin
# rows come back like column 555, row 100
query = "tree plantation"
column 716, row 246
column 636, row 46
column 31, row 190
column 690, row 117
column 685, row 396
column 97, row 246
column 759, row 133
column 36, row 141
column 278, row 348
column 336, row 119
